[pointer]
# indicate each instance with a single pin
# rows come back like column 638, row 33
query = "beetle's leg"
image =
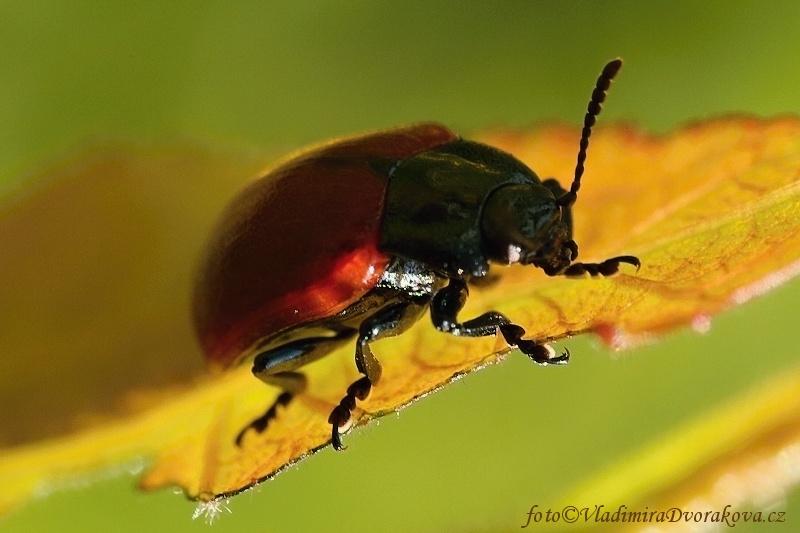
column 274, row 367
column 388, row 322
column 606, row 268
column 292, row 383
column 541, row 354
column 449, row 301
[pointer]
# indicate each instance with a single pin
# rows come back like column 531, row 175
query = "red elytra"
column 300, row 243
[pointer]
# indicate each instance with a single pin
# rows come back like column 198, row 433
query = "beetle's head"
column 524, row 223
column 521, row 223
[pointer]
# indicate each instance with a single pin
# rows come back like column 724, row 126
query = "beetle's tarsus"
column 631, row 260
column 562, row 359
column 606, row 268
column 260, row 424
column 292, row 383
column 341, row 414
column 540, row 353
column 339, row 418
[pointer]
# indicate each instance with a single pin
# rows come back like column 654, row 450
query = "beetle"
column 357, row 238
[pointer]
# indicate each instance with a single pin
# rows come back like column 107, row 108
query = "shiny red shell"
column 300, row 243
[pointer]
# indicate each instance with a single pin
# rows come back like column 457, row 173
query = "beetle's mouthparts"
column 557, row 254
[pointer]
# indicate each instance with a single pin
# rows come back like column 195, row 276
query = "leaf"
column 711, row 210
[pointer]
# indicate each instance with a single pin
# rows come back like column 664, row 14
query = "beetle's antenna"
column 595, row 106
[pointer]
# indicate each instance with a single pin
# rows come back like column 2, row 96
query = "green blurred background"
column 282, row 74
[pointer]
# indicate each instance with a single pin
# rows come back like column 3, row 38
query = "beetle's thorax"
column 434, row 202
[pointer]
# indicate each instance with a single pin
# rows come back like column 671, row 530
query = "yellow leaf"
column 102, row 259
